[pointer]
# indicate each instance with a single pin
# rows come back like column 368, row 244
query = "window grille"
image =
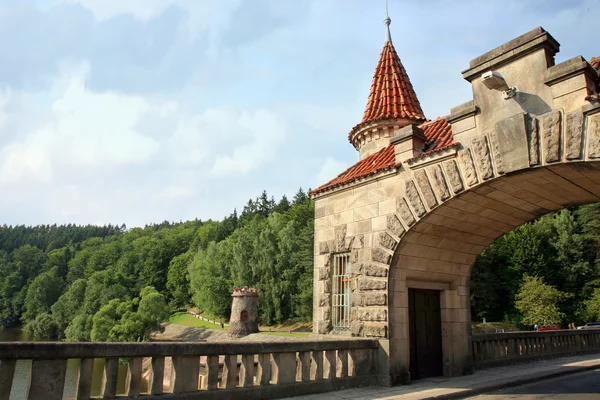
column 341, row 292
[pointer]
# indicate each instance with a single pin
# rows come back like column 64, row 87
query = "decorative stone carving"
column 324, row 248
column 356, row 328
column 574, row 135
column 372, row 284
column 550, row 128
column 375, row 299
column 372, row 314
column 324, row 300
column 375, row 330
column 358, row 242
column 425, row 186
column 379, row 255
column 324, row 274
column 394, row 225
column 387, row 241
column 482, row 154
column 404, row 211
column 466, row 161
column 509, row 143
column 533, row 140
column 593, row 134
column 340, row 237
column 497, row 155
column 415, row 198
column 439, row 182
column 374, row 270
column 453, row 175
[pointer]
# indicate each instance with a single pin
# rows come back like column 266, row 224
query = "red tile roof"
column 392, row 95
column 595, row 61
column 439, row 137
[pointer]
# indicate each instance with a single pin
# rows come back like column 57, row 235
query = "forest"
column 111, row 283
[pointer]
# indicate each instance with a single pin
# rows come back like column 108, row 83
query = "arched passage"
column 438, row 251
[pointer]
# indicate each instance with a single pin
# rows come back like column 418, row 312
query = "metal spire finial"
column 387, row 21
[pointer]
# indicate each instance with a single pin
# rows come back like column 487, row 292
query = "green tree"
column 178, row 280
column 42, row 327
column 42, row 294
column 68, row 305
column 539, row 303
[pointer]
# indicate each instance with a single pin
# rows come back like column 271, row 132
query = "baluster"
column 284, row 368
column 212, row 376
column 133, row 381
column 247, row 370
column 303, row 372
column 263, row 373
column 157, row 375
column 316, row 367
column 329, row 364
column 109, row 377
column 230, row 372
column 342, row 364
column 7, row 373
column 186, row 370
column 47, row 379
column 84, row 379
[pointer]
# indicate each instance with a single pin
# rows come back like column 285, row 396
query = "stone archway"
column 437, row 251
column 412, row 217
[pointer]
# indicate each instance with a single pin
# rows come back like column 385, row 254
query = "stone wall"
column 423, row 224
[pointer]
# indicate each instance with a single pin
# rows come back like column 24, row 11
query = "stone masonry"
column 420, row 218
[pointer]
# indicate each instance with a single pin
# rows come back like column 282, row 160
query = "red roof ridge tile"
column 439, row 137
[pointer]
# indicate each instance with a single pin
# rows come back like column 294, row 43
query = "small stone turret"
column 244, row 311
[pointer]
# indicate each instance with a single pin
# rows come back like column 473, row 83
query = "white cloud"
column 141, row 9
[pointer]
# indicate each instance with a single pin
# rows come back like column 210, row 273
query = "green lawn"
column 185, row 319
column 296, row 334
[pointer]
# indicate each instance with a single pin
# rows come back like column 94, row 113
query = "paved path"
column 581, row 386
column 484, row 381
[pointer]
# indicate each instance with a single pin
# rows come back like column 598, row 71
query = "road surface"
column 581, row 386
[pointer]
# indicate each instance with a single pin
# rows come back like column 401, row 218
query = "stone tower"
column 244, row 311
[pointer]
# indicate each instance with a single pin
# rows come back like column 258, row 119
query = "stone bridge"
column 413, row 214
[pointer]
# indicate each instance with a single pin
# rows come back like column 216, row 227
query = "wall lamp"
column 494, row 81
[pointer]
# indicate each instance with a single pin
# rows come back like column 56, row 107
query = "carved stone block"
column 374, row 270
column 453, row 175
column 372, row 314
column 394, row 225
column 375, row 330
column 372, row 284
column 439, row 182
column 324, row 300
column 550, row 125
column 358, row 242
column 482, row 154
column 324, row 248
column 425, row 186
column 379, row 255
column 574, row 135
column 466, row 162
column 404, row 211
column 593, row 134
column 323, row 327
column 533, row 139
column 415, row 198
column 387, row 241
column 357, row 299
column 340, row 237
column 356, row 328
column 324, row 274
column 509, row 142
column 375, row 299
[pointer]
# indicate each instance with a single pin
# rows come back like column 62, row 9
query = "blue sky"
column 140, row 111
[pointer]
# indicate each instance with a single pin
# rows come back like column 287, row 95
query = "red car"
column 549, row 328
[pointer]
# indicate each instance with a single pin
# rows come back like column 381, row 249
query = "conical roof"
column 392, row 95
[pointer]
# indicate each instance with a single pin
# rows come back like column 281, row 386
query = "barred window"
column 341, row 292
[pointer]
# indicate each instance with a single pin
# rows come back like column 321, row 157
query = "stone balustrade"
column 225, row 370
column 494, row 349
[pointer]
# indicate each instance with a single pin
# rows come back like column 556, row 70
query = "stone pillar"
column 244, row 311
